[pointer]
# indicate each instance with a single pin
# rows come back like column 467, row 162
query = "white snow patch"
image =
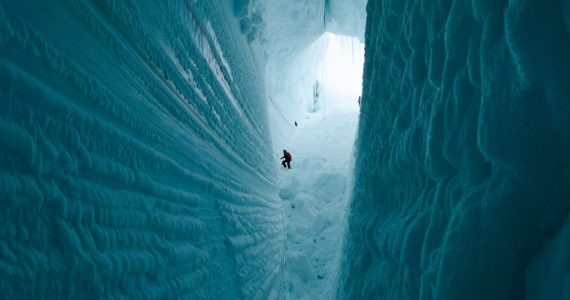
column 315, row 197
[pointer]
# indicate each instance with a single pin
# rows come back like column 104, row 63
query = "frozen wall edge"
column 134, row 154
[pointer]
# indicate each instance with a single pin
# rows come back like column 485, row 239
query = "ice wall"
column 134, row 153
column 462, row 171
column 293, row 47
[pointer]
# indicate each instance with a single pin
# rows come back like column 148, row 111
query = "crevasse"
column 138, row 147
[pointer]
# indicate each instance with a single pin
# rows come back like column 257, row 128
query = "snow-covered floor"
column 315, row 194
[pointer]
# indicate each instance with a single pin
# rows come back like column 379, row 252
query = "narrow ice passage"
column 315, row 194
column 139, row 146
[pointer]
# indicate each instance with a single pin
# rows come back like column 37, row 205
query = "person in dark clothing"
column 287, row 159
column 295, row 123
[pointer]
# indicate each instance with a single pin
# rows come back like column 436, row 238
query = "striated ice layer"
column 462, row 178
column 134, row 154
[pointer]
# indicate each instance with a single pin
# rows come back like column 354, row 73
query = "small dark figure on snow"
column 295, row 123
column 287, row 162
column 359, row 100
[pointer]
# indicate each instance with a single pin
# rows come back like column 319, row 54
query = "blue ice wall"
column 463, row 165
column 134, row 153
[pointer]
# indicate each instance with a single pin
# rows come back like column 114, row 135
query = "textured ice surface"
column 136, row 160
column 462, row 172
column 134, row 153
column 548, row 276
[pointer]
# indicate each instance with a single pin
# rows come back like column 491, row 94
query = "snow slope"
column 315, row 194
column 135, row 154
column 462, row 172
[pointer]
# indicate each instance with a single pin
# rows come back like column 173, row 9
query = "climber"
column 287, row 157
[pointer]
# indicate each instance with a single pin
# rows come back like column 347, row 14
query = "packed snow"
column 316, row 190
column 315, row 193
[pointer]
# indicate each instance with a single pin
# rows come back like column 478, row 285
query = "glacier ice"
column 462, row 169
column 135, row 154
column 138, row 148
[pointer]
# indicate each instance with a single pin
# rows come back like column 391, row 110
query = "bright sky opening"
column 342, row 64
